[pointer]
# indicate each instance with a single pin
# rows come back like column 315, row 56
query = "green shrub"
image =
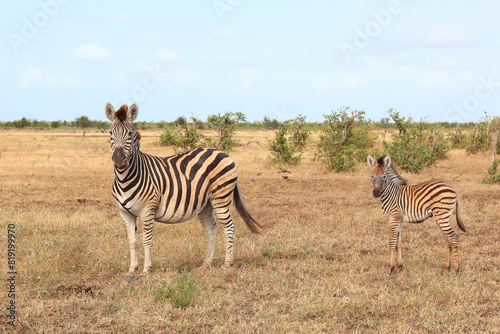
column 182, row 137
column 478, row 139
column 270, row 123
column 493, row 175
column 226, row 127
column 180, row 294
column 415, row 147
column 457, row 139
column 287, row 146
column 344, row 139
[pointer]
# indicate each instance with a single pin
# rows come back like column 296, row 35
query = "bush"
column 345, row 139
column 415, row 147
column 290, row 139
column 180, row 294
column 270, row 123
column 478, row 139
column 55, row 124
column 184, row 138
column 493, row 175
column 457, row 139
column 226, row 127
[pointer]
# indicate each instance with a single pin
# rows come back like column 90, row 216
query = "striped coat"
column 414, row 204
column 201, row 182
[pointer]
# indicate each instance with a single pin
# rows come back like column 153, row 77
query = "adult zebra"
column 172, row 189
column 415, row 204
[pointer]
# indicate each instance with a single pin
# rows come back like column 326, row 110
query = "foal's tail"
column 459, row 221
column 242, row 209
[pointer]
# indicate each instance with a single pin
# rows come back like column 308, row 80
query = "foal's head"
column 379, row 173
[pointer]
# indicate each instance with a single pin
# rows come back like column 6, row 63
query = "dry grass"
column 320, row 268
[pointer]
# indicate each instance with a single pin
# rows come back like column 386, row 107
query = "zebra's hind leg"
column 443, row 221
column 223, row 216
column 398, row 250
column 130, row 223
column 211, row 229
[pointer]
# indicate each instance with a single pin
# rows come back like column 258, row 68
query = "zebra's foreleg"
column 394, row 226
column 147, row 242
column 211, row 229
column 130, row 223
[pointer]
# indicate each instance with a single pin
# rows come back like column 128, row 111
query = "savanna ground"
column 321, row 267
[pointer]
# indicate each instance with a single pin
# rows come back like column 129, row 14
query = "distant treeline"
column 83, row 122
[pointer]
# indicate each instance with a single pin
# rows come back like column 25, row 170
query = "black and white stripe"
column 415, row 204
column 201, row 182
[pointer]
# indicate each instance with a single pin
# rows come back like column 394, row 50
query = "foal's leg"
column 394, row 226
column 442, row 218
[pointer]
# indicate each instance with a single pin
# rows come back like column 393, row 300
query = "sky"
column 433, row 60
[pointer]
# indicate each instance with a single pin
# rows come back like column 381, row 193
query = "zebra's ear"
column 387, row 161
column 371, row 161
column 109, row 110
column 133, row 112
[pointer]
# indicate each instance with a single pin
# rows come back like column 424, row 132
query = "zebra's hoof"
column 129, row 278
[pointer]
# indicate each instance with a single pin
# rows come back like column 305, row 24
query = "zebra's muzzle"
column 119, row 157
column 377, row 191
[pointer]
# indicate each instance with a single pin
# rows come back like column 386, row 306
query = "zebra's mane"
column 394, row 176
column 136, row 137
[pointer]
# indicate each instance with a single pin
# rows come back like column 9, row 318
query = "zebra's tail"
column 459, row 221
column 242, row 209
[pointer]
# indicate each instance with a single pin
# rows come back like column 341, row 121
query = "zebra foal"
column 415, row 204
column 201, row 182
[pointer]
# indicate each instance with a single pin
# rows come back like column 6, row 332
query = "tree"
column 83, row 122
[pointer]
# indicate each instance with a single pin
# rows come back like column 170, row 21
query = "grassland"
column 320, row 267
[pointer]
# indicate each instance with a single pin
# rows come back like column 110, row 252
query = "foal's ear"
column 387, row 161
column 133, row 112
column 371, row 161
column 109, row 110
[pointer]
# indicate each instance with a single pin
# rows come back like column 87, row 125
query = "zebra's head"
column 379, row 173
column 123, row 133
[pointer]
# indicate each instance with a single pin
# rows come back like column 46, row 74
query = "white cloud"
column 37, row 76
column 166, row 56
column 251, row 75
column 449, row 62
column 321, row 81
column 91, row 52
column 31, row 76
column 354, row 80
column 445, row 36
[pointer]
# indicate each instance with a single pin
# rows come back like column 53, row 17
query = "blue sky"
column 61, row 59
